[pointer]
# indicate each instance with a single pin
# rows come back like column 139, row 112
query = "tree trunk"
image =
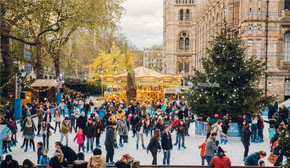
column 57, row 63
column 39, row 65
column 7, row 57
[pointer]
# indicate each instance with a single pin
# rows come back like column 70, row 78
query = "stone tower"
column 178, row 36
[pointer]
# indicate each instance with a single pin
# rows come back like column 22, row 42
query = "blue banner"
column 18, row 108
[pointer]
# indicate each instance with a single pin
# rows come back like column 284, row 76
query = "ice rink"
column 189, row 156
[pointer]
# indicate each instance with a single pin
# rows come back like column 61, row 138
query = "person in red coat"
column 221, row 160
column 202, row 147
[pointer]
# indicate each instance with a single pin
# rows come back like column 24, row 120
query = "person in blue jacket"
column 253, row 159
column 44, row 159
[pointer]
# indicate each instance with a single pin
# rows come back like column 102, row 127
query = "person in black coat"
column 253, row 159
column 154, row 146
column 133, row 122
column 246, row 135
column 9, row 162
column 81, row 121
column 166, row 143
column 80, row 163
column 110, row 143
column 90, row 131
column 68, row 153
column 47, row 116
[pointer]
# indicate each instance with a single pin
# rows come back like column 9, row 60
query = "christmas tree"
column 237, row 75
column 284, row 145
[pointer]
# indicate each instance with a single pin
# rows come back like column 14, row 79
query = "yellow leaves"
column 111, row 63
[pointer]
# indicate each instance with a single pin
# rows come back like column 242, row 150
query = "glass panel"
column 187, row 43
column 181, row 15
column 186, row 65
column 187, row 15
column 180, row 65
column 181, row 43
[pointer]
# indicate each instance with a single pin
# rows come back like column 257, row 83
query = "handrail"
column 169, row 166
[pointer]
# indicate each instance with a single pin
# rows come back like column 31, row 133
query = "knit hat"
column 216, row 116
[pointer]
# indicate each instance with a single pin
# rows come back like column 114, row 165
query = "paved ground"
column 190, row 156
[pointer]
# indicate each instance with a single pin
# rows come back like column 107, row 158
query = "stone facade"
column 245, row 17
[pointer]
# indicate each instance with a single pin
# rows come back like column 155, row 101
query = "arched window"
column 186, row 65
column 286, row 54
column 181, row 43
column 181, row 14
column 187, row 43
column 180, row 65
column 187, row 16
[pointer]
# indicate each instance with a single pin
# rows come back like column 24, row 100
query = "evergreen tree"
column 238, row 76
column 284, row 145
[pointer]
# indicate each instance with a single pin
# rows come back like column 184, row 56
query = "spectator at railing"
column 28, row 164
column 97, row 160
column 253, row 159
column 221, row 160
column 9, row 162
column 80, row 162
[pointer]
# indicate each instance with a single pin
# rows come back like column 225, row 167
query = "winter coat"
column 90, row 130
column 28, row 131
column 253, row 160
column 65, row 128
column 97, row 161
column 181, row 129
column 260, row 124
column 272, row 133
column 44, row 160
column 217, row 129
column 153, row 145
column 81, row 122
column 110, row 137
column 134, row 121
column 80, row 164
column 202, row 147
column 98, row 129
column 54, row 163
column 220, row 162
column 69, row 154
column 166, row 141
column 210, row 147
column 138, row 126
column 40, row 116
column 167, row 122
column 80, row 137
column 47, row 117
column 122, row 128
column 159, row 126
column 13, row 164
column 246, row 135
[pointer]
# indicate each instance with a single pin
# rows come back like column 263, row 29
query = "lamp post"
column 266, row 47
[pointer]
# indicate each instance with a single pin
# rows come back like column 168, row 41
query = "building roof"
column 142, row 72
column 44, row 83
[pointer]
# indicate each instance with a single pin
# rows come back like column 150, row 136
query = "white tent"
column 286, row 103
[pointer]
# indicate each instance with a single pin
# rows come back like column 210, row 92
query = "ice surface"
column 189, row 156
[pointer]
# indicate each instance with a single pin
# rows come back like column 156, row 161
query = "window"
column 181, row 42
column 287, row 4
column 180, row 65
column 181, row 14
column 187, row 16
column 186, row 43
column 286, row 53
column 186, row 65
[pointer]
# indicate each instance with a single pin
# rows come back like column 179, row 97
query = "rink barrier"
column 169, row 166
column 233, row 131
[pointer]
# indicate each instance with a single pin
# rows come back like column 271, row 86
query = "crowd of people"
column 114, row 120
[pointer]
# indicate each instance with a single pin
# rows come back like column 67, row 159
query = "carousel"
column 149, row 85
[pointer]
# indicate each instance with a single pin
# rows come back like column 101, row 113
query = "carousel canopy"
column 143, row 76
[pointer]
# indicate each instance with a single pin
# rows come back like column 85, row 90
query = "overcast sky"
column 142, row 23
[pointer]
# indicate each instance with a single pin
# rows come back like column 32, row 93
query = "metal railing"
column 170, row 166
